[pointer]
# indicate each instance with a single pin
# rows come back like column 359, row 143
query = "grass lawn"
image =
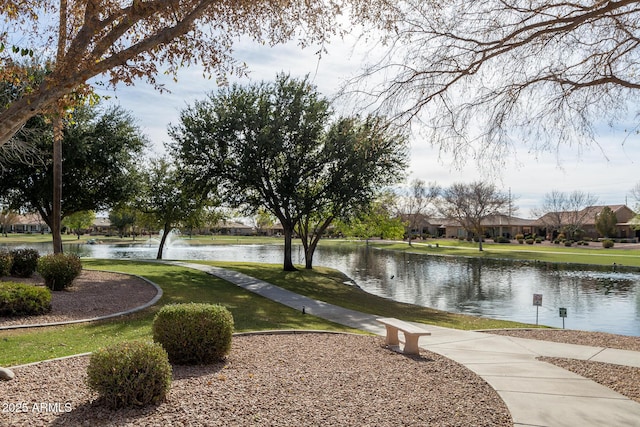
column 251, row 312
column 594, row 254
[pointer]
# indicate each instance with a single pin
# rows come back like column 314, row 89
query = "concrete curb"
column 154, row 300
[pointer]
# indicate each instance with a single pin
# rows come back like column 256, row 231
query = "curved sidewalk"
column 536, row 393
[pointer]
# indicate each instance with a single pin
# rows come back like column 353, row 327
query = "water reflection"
column 596, row 300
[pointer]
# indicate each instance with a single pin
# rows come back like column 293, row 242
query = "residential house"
column 233, row 228
column 548, row 224
column 29, row 223
column 421, row 225
column 494, row 226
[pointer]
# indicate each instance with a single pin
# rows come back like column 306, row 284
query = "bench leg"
column 392, row 336
column 411, row 344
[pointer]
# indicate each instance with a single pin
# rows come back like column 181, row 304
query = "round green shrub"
column 194, row 334
column 25, row 262
column 568, row 243
column 19, row 299
column 127, row 374
column 607, row 243
column 529, row 241
column 59, row 270
column 6, row 260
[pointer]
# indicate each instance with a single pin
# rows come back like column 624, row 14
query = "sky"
column 607, row 171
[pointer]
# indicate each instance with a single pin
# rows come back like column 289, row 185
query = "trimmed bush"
column 127, row 374
column 25, row 262
column 59, row 270
column 568, row 243
column 529, row 241
column 194, row 334
column 6, row 260
column 19, row 299
column 607, row 243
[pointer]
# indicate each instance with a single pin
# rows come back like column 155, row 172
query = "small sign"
column 563, row 312
column 537, row 300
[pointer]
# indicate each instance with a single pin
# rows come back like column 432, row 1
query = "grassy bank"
column 250, row 312
column 585, row 255
column 593, row 254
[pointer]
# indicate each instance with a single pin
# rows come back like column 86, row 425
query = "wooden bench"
column 411, row 334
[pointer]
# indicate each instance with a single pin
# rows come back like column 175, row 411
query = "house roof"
column 495, row 221
column 587, row 215
column 29, row 219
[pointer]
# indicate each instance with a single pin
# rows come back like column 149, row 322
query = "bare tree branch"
column 495, row 73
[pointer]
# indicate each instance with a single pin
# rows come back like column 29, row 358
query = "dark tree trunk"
column 56, row 215
column 288, row 235
column 163, row 239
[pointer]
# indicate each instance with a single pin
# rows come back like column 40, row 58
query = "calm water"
column 607, row 300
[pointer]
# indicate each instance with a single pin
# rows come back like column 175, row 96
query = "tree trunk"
column 288, row 235
column 56, row 214
column 167, row 229
column 308, row 255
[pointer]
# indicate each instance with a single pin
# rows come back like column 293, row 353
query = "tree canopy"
column 606, row 222
column 128, row 40
column 267, row 146
column 102, row 148
column 482, row 76
column 167, row 198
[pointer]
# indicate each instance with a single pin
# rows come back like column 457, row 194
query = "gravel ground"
column 570, row 336
column 274, row 380
column 282, row 380
column 93, row 294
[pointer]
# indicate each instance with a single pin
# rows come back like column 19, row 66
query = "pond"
column 595, row 299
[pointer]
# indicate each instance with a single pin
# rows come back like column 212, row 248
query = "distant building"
column 548, row 223
column 494, row 226
column 29, row 223
column 233, row 228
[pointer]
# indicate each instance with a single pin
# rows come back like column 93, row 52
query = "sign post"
column 537, row 301
column 563, row 314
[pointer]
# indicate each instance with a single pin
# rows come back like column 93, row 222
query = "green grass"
column 251, row 312
column 586, row 255
column 327, row 285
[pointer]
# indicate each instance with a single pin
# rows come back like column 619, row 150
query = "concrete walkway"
column 536, row 393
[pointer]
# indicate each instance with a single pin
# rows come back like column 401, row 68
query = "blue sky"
column 608, row 171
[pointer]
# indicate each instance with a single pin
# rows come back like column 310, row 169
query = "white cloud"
column 607, row 172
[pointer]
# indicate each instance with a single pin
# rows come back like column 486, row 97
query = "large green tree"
column 167, row 198
column 360, row 158
column 266, row 146
column 79, row 221
column 102, row 152
column 258, row 145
